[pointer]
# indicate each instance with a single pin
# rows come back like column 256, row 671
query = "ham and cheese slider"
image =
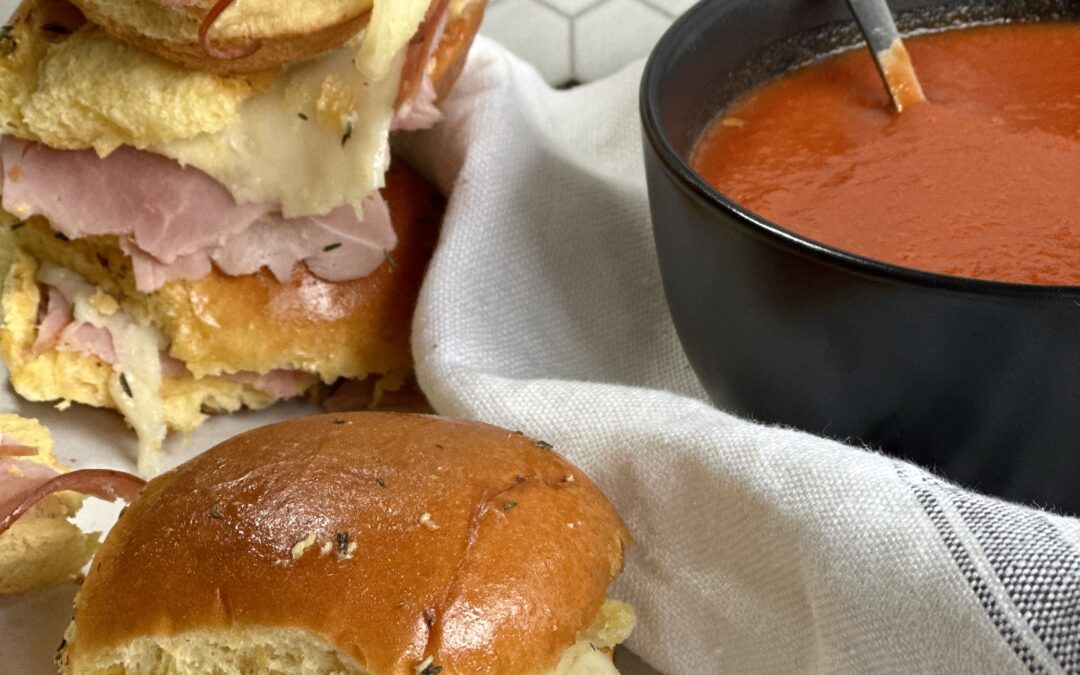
column 39, row 546
column 199, row 207
column 361, row 543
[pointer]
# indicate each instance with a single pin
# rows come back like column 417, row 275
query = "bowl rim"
column 665, row 52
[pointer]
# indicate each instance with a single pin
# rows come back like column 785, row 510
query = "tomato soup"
column 981, row 181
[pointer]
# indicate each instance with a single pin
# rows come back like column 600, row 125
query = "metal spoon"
column 893, row 63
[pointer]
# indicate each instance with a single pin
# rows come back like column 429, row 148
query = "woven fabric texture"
column 758, row 549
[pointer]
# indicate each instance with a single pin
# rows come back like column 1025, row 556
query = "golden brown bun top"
column 284, row 31
column 474, row 545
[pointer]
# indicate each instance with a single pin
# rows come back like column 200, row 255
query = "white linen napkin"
column 758, row 549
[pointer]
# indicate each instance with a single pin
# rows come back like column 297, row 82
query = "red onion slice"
column 227, row 53
column 16, row 449
column 105, row 484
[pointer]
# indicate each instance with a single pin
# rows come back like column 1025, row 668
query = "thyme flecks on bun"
column 359, row 543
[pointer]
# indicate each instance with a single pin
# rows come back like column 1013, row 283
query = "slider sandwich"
column 361, row 543
column 200, row 212
column 39, row 546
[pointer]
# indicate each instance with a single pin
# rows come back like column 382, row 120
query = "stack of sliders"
column 200, row 212
column 360, row 544
column 39, row 546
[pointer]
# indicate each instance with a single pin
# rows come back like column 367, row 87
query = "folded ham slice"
column 59, row 329
column 9, row 447
column 56, row 318
column 417, row 96
column 175, row 221
column 23, row 484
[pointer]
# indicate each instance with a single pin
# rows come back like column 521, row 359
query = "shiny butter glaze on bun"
column 367, row 542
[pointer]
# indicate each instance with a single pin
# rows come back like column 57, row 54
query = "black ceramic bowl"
column 977, row 380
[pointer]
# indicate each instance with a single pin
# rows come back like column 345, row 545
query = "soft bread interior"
column 288, row 651
column 280, row 651
column 88, row 90
column 42, row 548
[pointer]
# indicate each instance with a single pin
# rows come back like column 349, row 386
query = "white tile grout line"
column 549, row 5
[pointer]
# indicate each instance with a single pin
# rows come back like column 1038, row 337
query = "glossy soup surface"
column 982, row 181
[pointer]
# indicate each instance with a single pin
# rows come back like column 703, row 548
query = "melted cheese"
column 316, row 139
column 136, row 383
column 591, row 654
column 393, row 23
column 584, row 659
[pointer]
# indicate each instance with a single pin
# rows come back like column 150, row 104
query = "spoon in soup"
column 893, row 63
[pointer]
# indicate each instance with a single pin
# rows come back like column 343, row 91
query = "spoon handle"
column 891, row 57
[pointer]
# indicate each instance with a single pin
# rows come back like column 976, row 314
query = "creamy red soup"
column 981, row 181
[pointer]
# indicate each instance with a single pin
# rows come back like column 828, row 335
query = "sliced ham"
column 420, row 111
column 88, row 339
column 336, row 247
column 9, row 447
column 174, row 221
column 151, row 274
column 163, row 208
column 172, row 366
column 280, row 384
column 57, row 317
column 23, row 484
column 416, row 98
column 59, row 329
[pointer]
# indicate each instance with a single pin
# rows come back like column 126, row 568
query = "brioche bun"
column 356, row 543
column 285, row 31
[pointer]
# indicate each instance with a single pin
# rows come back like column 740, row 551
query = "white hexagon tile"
column 579, row 40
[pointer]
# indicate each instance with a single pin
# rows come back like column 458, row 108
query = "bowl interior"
column 721, row 49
